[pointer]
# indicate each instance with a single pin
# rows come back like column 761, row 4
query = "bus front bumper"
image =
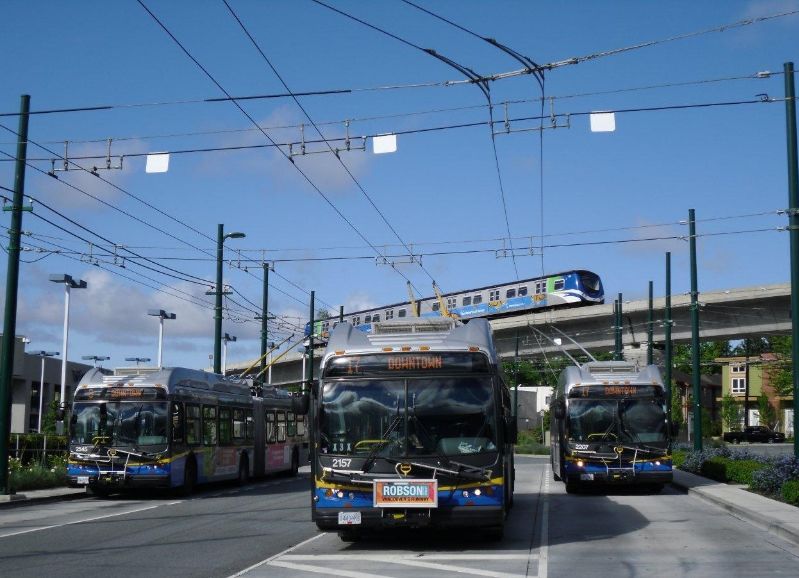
column 465, row 516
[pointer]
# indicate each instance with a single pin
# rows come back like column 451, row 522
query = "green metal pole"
column 341, row 314
column 220, row 239
column 667, row 335
column 264, row 326
column 651, row 330
column 619, row 333
column 695, row 375
column 793, row 225
column 516, row 382
column 309, row 365
column 12, row 287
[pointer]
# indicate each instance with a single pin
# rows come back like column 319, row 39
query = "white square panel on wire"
column 603, row 122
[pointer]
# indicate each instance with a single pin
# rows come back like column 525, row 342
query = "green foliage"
column 676, row 406
column 35, row 477
column 731, row 412
column 723, row 469
column 781, row 376
column 708, row 352
column 715, row 469
column 49, row 418
column 768, row 415
column 790, row 492
column 528, row 443
column 678, row 458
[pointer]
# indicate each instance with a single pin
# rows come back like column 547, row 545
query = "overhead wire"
column 316, row 128
column 254, row 122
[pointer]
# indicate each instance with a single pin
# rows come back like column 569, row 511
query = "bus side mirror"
column 511, row 430
column 299, row 404
column 559, row 409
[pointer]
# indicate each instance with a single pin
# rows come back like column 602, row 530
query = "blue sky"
column 439, row 192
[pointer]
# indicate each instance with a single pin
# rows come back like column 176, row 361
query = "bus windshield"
column 408, row 417
column 130, row 424
column 609, row 420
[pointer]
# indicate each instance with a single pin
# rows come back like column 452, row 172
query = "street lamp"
column 43, row 355
column 69, row 283
column 138, row 360
column 220, row 241
column 95, row 358
column 225, row 340
column 161, row 314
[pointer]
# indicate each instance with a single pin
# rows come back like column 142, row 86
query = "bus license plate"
column 586, row 476
column 349, row 518
column 83, row 480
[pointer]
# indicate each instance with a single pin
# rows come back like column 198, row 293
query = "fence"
column 34, row 448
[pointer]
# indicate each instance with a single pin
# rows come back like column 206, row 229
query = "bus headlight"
column 580, row 463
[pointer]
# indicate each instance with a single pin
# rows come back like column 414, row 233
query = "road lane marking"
column 73, row 522
column 324, row 570
column 286, row 551
column 395, row 557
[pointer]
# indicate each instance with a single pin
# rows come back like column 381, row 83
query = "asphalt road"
column 264, row 529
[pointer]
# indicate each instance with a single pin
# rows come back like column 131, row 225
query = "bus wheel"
column 244, row 471
column 189, row 478
column 572, row 487
column 97, row 491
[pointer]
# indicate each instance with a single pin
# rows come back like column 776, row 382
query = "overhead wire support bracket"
column 348, row 144
column 409, row 260
column 109, row 162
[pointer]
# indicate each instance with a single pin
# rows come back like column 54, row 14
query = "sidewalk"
column 775, row 517
column 50, row 494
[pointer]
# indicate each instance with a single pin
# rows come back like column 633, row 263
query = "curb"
column 781, row 520
column 31, row 497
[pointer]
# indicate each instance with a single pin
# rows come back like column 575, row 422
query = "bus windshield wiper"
column 370, row 459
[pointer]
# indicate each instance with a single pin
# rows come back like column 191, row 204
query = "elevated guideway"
column 729, row 314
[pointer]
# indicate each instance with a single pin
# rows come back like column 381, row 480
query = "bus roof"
column 437, row 334
column 169, row 377
column 609, row 372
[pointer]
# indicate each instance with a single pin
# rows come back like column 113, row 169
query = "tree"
column 731, row 412
column 676, row 407
column 708, row 352
column 780, row 375
column 768, row 415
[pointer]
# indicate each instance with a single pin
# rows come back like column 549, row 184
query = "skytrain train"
column 566, row 289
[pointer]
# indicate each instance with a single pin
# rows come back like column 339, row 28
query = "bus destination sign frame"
column 395, row 493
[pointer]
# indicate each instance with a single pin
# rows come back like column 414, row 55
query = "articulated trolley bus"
column 177, row 427
column 412, row 427
column 609, row 426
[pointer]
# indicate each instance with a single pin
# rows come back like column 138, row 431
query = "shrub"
column 770, row 479
column 790, row 492
column 715, row 468
column 741, row 471
column 678, row 458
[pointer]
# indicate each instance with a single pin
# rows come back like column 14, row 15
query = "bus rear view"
column 413, row 428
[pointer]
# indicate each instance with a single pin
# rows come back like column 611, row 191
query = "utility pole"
column 264, row 321
column 667, row 335
column 650, row 331
column 615, row 330
column 12, row 287
column 695, row 375
column 793, row 226
column 309, row 365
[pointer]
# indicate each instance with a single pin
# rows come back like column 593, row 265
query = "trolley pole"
column 695, row 375
column 793, row 225
column 619, row 331
column 12, row 288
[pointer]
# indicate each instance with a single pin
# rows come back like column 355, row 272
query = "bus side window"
column 250, row 425
column 301, row 425
column 271, row 432
column 291, row 425
column 209, row 425
column 225, row 426
column 178, row 423
column 281, row 426
column 239, row 428
column 193, row 424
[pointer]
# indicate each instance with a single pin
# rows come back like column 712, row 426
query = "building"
column 532, row 400
column 745, row 387
column 26, row 385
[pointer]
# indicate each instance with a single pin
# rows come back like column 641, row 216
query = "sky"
column 475, row 208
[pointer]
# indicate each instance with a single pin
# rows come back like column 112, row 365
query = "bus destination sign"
column 616, row 390
column 413, row 363
column 406, row 493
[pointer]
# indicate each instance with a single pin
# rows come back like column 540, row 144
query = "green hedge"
column 790, row 492
column 678, row 458
column 726, row 470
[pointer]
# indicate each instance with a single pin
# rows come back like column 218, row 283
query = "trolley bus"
column 609, row 426
column 177, row 427
column 412, row 427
